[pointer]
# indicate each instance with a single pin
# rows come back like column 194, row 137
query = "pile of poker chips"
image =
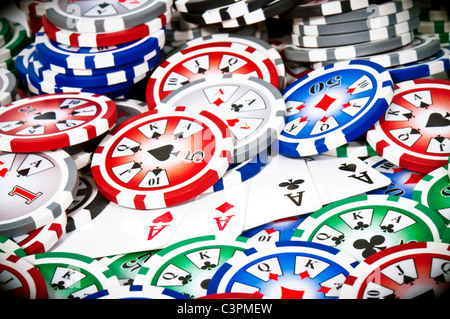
column 94, row 57
column 149, row 278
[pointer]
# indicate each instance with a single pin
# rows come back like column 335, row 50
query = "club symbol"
column 185, row 279
column 208, row 266
column 291, row 184
column 370, row 247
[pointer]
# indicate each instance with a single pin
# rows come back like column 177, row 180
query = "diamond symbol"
column 224, row 207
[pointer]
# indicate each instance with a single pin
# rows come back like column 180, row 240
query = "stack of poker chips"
column 95, row 48
column 34, row 10
column 13, row 38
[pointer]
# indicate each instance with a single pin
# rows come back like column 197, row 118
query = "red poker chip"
column 414, row 133
column 162, row 158
column 54, row 121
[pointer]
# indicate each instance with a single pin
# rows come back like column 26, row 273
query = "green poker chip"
column 5, row 31
column 126, row 266
column 16, row 44
column 433, row 190
column 188, row 266
column 366, row 224
column 72, row 275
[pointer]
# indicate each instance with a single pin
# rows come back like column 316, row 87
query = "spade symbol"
column 437, row 120
column 162, row 153
column 348, row 167
column 45, row 116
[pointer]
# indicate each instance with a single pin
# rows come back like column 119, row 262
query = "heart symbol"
column 46, row 116
column 164, row 218
column 3, row 172
column 348, row 167
column 232, row 122
column 437, row 120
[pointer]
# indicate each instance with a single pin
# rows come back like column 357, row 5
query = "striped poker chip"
column 433, row 65
column 333, row 106
column 96, row 16
column 88, row 203
column 414, row 133
column 350, row 38
column 44, row 238
column 9, row 246
column 8, row 87
column 53, row 121
column 137, row 292
column 313, row 8
column 253, row 109
column 20, row 278
column 95, row 58
column 433, row 191
column 28, row 203
column 72, row 275
column 346, row 52
column 162, row 158
column 88, row 39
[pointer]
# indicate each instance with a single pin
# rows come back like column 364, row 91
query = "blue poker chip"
column 137, row 292
column 38, row 86
column 285, row 270
column 403, row 181
column 433, row 65
column 334, row 105
column 97, row 58
column 106, row 79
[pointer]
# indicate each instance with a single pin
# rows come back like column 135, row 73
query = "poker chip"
column 252, row 109
column 95, row 58
column 413, row 132
column 96, row 16
column 88, row 39
column 5, row 31
column 311, row 8
column 53, row 121
column 18, row 42
column 347, row 52
column 8, row 246
column 28, row 203
column 382, row 9
column 8, row 87
column 403, row 181
column 355, row 26
column 332, row 40
column 126, row 266
column 71, row 275
column 20, row 278
column 44, row 238
column 333, row 106
column 408, row 271
column 88, row 203
column 138, row 170
column 364, row 225
column 188, row 266
column 210, row 59
column 432, row 65
column 272, row 9
column 283, row 270
column 137, row 292
column 433, row 191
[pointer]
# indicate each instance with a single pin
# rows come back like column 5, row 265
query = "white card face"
column 284, row 188
column 337, row 178
column 119, row 230
column 219, row 213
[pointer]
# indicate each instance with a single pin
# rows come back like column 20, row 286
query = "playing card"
column 119, row 230
column 219, row 213
column 283, row 188
column 337, row 178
